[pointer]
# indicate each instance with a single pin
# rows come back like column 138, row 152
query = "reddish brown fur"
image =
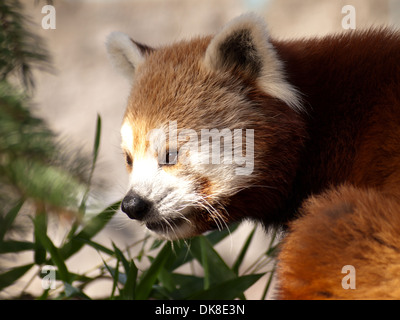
column 351, row 86
column 343, row 227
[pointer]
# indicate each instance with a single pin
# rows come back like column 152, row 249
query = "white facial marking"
column 127, row 136
column 172, row 197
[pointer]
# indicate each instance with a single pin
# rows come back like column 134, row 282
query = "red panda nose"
column 135, row 206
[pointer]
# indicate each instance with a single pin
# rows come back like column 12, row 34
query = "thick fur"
column 345, row 226
column 326, row 119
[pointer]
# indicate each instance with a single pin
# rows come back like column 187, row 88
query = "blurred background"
column 83, row 83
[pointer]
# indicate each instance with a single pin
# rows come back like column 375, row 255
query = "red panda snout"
column 135, row 206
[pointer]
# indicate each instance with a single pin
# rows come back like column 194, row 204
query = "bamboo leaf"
column 13, row 246
column 73, row 292
column 131, row 272
column 217, row 269
column 269, row 282
column 117, row 277
column 96, row 146
column 185, row 285
column 97, row 246
column 40, row 223
column 166, row 280
column 9, row 277
column 204, row 262
column 55, row 254
column 227, row 290
column 129, row 291
column 182, row 252
column 9, row 219
column 96, row 149
column 121, row 257
column 243, row 252
column 96, row 224
column 145, row 286
column 217, row 236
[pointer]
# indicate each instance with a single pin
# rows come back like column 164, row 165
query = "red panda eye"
column 171, row 158
column 128, row 160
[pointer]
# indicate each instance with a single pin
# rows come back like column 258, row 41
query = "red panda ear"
column 126, row 54
column 244, row 45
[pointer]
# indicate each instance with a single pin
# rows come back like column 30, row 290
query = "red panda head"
column 197, row 131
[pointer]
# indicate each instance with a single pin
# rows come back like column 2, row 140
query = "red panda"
column 312, row 129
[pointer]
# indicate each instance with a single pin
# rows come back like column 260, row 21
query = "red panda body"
column 351, row 84
column 326, row 163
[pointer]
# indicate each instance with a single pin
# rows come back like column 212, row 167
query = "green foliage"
column 29, row 157
column 20, row 49
column 33, row 164
column 160, row 280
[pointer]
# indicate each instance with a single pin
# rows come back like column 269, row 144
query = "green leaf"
column 9, row 219
column 204, row 252
column 269, row 282
column 156, row 244
column 217, row 236
column 131, row 272
column 215, row 267
column 185, row 285
column 73, row 292
column 243, row 252
column 44, row 295
column 13, row 246
column 96, row 148
column 181, row 255
column 97, row 246
column 145, row 286
column 227, row 290
column 9, row 277
column 273, row 251
column 95, row 225
column 73, row 276
column 48, row 245
column 116, row 276
column 129, row 291
column 159, row 292
column 21, row 50
column 39, row 180
column 166, row 280
column 122, row 258
column 40, row 223
column 182, row 252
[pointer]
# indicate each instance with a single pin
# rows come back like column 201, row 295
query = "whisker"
column 215, row 211
column 254, row 186
column 218, row 216
column 170, row 226
column 212, row 214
